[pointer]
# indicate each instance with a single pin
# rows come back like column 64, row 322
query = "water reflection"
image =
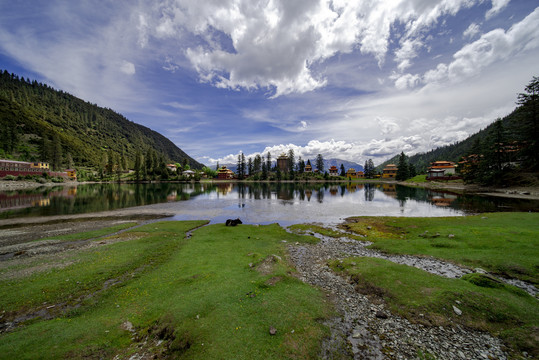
column 267, row 201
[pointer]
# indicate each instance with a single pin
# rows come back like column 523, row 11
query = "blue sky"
column 347, row 79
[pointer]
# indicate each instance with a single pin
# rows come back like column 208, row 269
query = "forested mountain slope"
column 473, row 144
column 38, row 122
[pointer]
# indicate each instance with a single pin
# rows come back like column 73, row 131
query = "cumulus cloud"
column 491, row 47
column 243, row 44
column 127, row 68
column 497, row 6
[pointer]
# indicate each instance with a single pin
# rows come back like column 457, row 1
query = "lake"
column 255, row 203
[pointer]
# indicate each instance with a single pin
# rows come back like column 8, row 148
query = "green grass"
column 212, row 296
column 418, row 179
column 506, row 244
column 486, row 305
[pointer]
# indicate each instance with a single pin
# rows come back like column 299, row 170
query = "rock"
column 272, row 330
column 457, row 310
column 369, row 227
column 451, row 236
column 480, row 271
column 381, row 315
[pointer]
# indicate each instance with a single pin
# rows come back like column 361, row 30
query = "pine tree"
column 343, row 172
column 291, row 161
column 403, row 172
column 320, row 163
column 268, row 162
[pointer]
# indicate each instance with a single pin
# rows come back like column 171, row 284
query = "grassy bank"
column 503, row 243
column 215, row 295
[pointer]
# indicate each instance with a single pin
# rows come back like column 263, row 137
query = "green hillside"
column 511, row 143
column 38, row 122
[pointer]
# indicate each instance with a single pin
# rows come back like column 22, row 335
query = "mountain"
column 337, row 162
column 38, row 122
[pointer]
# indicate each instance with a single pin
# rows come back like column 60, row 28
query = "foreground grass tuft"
column 212, row 296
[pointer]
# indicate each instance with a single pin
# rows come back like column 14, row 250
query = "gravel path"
column 365, row 330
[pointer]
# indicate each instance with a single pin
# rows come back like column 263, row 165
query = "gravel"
column 365, row 330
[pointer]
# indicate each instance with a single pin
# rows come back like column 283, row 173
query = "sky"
column 351, row 80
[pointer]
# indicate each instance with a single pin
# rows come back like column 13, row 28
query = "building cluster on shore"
column 23, row 168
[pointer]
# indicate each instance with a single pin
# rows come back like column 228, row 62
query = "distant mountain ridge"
column 34, row 116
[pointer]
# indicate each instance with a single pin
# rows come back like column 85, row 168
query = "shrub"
column 10, row 177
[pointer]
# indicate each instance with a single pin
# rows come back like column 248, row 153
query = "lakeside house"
column 225, row 173
column 23, row 168
column 172, row 167
column 390, row 171
column 188, row 173
column 333, row 171
column 442, row 170
column 351, row 173
column 308, row 167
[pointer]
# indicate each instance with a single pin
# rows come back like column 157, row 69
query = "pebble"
column 360, row 332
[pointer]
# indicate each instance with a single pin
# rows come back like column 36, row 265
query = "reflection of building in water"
column 334, row 190
column 442, row 199
column 224, row 188
column 15, row 201
column 390, row 190
column 308, row 194
column 172, row 196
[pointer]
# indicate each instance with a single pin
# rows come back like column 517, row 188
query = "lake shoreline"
column 516, row 192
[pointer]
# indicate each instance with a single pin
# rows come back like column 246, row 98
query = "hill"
column 38, row 122
column 454, row 152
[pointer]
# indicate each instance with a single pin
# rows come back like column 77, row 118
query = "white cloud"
column 497, row 6
column 243, row 44
column 471, row 31
column 127, row 68
column 494, row 46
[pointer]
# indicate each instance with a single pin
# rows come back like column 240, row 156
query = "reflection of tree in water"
column 320, row 195
column 369, row 191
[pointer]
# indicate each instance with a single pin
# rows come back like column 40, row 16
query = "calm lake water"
column 285, row 203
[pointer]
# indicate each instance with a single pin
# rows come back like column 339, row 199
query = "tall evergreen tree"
column 529, row 123
column 138, row 166
column 257, row 164
column 301, row 165
column 250, row 166
column 320, row 163
column 268, row 162
column 291, row 161
column 403, row 172
column 57, row 153
column 343, row 172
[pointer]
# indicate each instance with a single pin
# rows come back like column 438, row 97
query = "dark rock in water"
column 233, row 222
